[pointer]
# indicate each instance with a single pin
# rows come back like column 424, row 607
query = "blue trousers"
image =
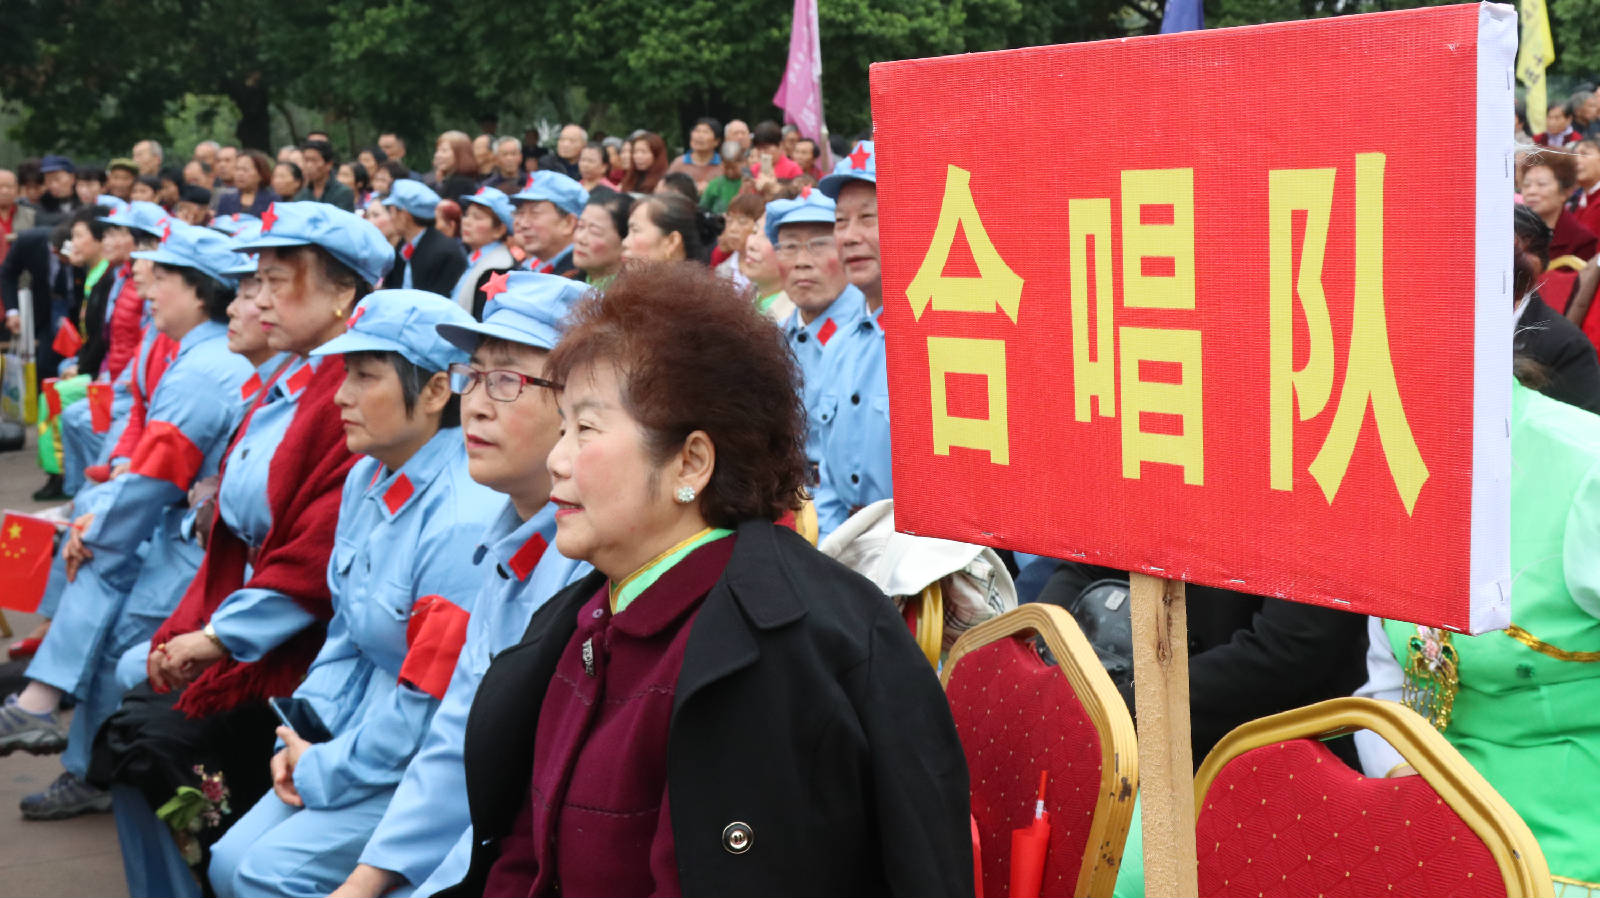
column 278, row 850
column 150, row 858
column 93, row 629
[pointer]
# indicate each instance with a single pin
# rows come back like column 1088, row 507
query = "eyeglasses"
column 818, row 247
column 501, row 385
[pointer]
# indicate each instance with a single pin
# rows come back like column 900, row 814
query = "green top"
column 765, row 302
column 1527, row 721
column 623, row 594
column 719, row 193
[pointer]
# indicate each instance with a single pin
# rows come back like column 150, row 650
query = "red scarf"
column 304, row 486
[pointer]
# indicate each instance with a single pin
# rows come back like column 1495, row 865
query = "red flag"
column 52, row 399
column 434, row 637
column 27, row 544
column 100, row 407
column 67, row 341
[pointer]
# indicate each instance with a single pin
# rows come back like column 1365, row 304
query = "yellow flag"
column 1535, row 53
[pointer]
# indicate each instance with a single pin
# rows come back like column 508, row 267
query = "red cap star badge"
column 360, row 310
column 496, row 284
column 805, row 192
column 479, row 191
column 166, row 229
column 269, row 218
column 858, row 159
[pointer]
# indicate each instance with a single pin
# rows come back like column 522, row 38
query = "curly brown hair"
column 692, row 354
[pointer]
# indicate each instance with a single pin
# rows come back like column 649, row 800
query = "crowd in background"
column 528, row 434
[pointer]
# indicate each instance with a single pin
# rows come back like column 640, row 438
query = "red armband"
column 166, row 453
column 434, row 637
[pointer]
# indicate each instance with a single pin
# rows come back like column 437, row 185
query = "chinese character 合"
column 995, row 287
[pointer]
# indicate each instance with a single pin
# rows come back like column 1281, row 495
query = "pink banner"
column 800, row 93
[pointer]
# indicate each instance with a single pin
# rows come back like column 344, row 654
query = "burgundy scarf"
column 304, row 486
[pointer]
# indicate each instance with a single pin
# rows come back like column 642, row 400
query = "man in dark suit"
column 1249, row 656
column 425, row 258
column 1567, row 368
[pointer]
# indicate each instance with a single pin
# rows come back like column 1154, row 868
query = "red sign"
column 1231, row 307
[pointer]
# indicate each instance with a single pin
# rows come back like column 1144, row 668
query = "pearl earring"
column 684, row 495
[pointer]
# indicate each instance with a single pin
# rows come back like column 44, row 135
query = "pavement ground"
column 61, row 858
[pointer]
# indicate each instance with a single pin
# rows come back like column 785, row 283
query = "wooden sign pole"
column 1166, row 759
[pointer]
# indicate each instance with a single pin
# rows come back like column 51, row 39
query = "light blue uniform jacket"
column 426, row 834
column 402, row 536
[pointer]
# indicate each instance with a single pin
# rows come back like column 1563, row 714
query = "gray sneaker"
column 67, row 797
column 36, row 734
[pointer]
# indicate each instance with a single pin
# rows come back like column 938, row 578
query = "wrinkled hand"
column 118, row 471
column 75, row 553
column 184, row 659
column 283, row 764
column 202, row 490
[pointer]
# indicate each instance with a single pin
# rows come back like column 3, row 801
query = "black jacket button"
column 737, row 837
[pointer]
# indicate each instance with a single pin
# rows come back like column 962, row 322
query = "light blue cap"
column 495, row 201
column 112, row 203
column 523, row 307
column 249, row 231
column 140, row 215
column 403, row 321
column 810, row 206
column 235, row 224
column 414, row 197
column 202, row 249
column 860, row 165
column 567, row 195
column 346, row 236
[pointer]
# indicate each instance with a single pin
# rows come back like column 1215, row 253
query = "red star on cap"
column 480, row 191
column 269, row 218
column 805, row 192
column 166, row 229
column 115, row 212
column 858, row 159
column 360, row 310
column 496, row 284
column 530, row 181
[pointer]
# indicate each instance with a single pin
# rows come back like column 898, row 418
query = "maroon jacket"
column 596, row 821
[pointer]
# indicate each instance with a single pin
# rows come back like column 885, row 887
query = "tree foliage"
column 92, row 76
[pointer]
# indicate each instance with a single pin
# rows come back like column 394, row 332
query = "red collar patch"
column 826, row 332
column 250, row 386
column 299, row 379
column 407, row 250
column 527, row 557
column 475, row 254
column 397, row 493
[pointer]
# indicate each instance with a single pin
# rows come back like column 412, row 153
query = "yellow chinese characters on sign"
column 1157, row 213
column 995, row 286
column 1369, row 377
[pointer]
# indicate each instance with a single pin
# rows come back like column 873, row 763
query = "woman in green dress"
column 1520, row 704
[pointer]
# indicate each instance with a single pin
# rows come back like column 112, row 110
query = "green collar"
column 623, row 594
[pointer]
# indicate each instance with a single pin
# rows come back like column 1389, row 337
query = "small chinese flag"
column 67, row 341
column 27, row 544
column 100, row 407
column 434, row 637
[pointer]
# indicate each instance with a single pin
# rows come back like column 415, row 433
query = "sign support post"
column 1166, row 761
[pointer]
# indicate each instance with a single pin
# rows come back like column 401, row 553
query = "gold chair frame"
column 1119, row 755
column 1510, row 842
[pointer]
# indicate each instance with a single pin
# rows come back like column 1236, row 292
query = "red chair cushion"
column 1293, row 819
column 1556, row 288
column 1017, row 716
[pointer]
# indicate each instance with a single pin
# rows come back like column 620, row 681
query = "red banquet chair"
column 1280, row 814
column 1019, row 715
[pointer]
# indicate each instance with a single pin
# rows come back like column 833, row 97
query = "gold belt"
column 1548, row 650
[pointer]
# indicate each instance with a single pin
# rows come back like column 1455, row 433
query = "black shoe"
column 51, row 491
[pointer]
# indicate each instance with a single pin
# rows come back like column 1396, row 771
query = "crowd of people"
column 436, row 532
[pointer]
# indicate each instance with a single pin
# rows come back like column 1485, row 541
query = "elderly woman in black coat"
column 719, row 709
